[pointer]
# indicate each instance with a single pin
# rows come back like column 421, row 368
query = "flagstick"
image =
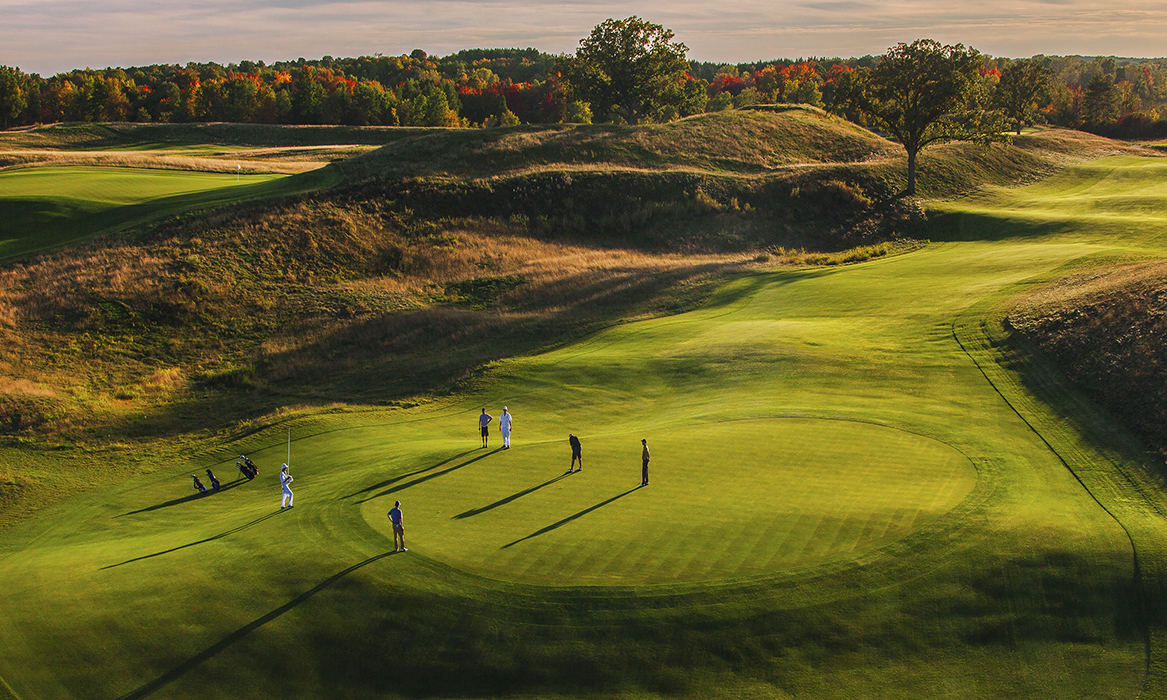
column 289, row 448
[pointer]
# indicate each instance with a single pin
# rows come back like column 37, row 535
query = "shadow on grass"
column 193, row 497
column 221, row 535
column 194, row 661
column 502, row 502
column 568, row 519
column 395, row 479
column 427, row 477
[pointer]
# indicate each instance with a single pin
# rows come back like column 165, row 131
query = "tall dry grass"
column 282, row 298
column 159, row 161
column 1106, row 329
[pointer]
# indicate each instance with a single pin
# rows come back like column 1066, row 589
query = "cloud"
column 55, row 35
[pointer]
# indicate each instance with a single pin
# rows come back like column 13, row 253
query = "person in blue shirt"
column 395, row 517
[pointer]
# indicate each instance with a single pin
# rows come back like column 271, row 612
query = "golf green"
column 773, row 495
column 44, row 207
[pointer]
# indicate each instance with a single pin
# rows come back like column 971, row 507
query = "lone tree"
column 628, row 68
column 920, row 94
column 1017, row 92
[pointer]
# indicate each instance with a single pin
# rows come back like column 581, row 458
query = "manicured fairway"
column 849, row 498
column 47, row 207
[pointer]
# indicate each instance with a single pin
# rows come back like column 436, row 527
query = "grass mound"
column 744, row 142
column 1105, row 328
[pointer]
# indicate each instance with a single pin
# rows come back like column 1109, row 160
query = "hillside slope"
column 340, row 296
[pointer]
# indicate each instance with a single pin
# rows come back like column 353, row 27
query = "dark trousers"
column 644, row 473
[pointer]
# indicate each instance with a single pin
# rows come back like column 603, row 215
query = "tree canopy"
column 1021, row 81
column 630, row 68
column 919, row 94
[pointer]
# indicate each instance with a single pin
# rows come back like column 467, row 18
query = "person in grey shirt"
column 483, row 423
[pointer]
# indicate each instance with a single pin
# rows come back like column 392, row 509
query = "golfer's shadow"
column 185, row 499
column 212, row 538
column 423, row 479
column 568, row 519
column 502, row 502
column 208, row 653
column 395, row 479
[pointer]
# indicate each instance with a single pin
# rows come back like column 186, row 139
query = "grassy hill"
column 336, row 296
column 1104, row 327
column 853, row 494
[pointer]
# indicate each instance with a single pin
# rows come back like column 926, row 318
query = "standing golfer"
column 286, row 484
column 483, row 423
column 504, row 427
column 644, row 459
column 576, row 452
column 398, row 527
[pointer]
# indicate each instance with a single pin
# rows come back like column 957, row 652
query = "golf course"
column 862, row 486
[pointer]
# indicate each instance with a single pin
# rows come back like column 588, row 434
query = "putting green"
column 44, row 207
column 775, row 494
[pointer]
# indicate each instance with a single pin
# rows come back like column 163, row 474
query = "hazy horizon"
column 50, row 36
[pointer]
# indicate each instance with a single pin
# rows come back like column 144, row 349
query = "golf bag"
column 198, row 484
column 245, row 471
column 214, row 481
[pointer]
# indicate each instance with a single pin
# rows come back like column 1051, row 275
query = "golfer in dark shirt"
column 398, row 520
column 576, row 453
column 644, row 466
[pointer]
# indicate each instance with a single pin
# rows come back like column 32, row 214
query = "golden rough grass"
column 156, row 161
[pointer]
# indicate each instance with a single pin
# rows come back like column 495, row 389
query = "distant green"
column 46, row 207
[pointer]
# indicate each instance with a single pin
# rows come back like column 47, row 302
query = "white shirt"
column 504, row 421
column 285, row 479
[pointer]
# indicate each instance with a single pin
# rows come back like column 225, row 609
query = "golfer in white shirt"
column 286, row 484
column 504, row 427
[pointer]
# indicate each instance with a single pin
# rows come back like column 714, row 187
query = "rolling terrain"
column 862, row 484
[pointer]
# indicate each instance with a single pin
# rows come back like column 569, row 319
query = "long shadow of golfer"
column 427, row 477
column 568, row 519
column 193, row 497
column 395, row 479
column 476, row 511
column 193, row 662
column 221, row 535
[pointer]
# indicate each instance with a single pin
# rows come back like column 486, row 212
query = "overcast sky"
column 48, row 36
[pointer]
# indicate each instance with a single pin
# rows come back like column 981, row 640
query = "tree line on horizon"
column 489, row 87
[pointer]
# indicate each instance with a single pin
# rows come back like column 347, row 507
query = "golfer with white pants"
column 504, row 427
column 286, row 484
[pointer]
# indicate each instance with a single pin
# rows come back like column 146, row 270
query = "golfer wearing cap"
column 504, row 427
column 398, row 527
column 286, row 484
